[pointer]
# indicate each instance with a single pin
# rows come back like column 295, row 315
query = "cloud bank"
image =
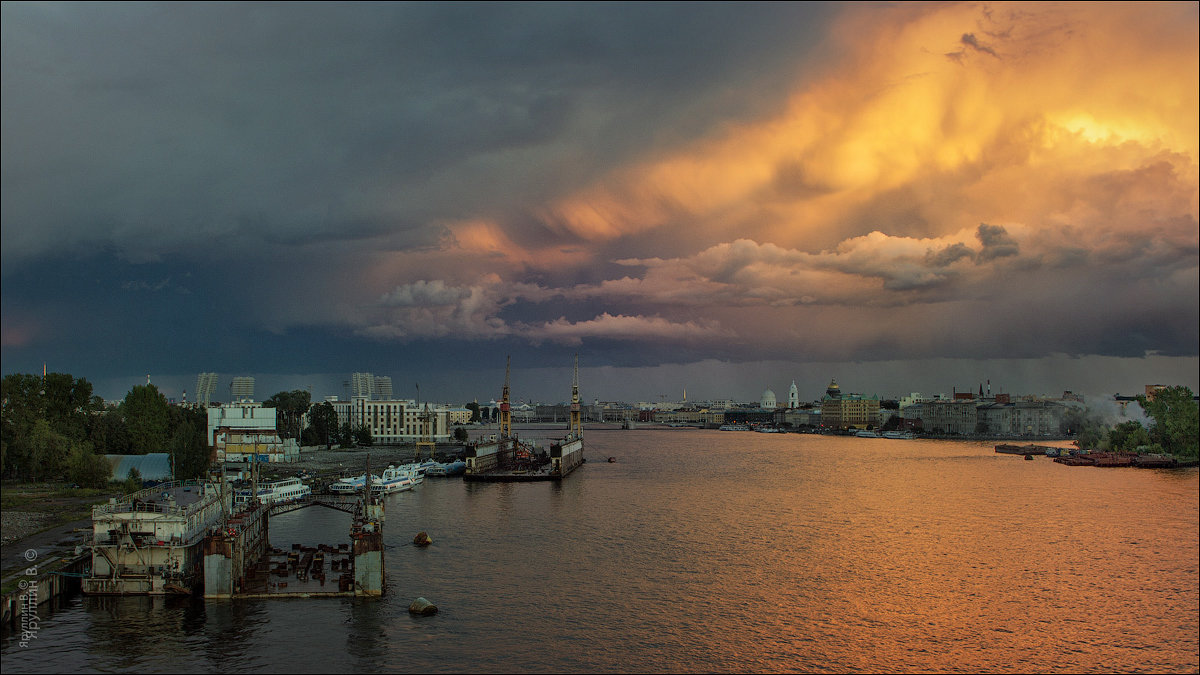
column 803, row 182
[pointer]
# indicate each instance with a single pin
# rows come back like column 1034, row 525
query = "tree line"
column 1174, row 427
column 54, row 427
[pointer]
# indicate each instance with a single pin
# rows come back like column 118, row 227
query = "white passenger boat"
column 455, row 468
column 735, row 427
column 394, row 479
column 351, row 485
column 276, row 492
column 905, row 435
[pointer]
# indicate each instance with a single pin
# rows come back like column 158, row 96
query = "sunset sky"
column 717, row 197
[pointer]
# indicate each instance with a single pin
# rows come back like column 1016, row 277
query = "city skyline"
column 715, row 197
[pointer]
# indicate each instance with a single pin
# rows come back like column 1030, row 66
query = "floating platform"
column 505, row 461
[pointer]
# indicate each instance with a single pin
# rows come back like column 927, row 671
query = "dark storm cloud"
column 164, row 128
column 336, row 187
column 996, row 242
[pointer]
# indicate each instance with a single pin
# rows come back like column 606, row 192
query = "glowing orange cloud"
column 1006, row 98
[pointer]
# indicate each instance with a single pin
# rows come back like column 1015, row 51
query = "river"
column 718, row 552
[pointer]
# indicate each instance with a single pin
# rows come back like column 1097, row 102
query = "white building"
column 395, row 421
column 242, row 432
column 793, row 396
column 362, row 384
column 206, row 386
column 241, row 390
column 768, row 400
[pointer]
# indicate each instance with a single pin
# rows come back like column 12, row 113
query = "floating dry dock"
column 504, row 459
column 187, row 538
column 238, row 562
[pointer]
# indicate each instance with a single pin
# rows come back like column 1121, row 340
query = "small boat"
column 351, row 485
column 276, row 492
column 393, row 480
column 454, row 468
column 611, row 460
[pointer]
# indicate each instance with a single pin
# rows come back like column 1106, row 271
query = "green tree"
column 133, row 482
column 290, row 407
column 474, row 408
column 147, row 417
column 460, row 434
column 68, row 404
column 323, row 423
column 23, row 405
column 1176, row 420
column 87, row 468
column 188, row 445
column 345, row 436
column 1128, row 437
column 48, row 451
column 108, row 433
column 362, row 436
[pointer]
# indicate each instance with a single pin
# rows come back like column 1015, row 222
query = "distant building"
column 362, row 385
column 768, row 400
column 244, row 432
column 394, row 422
column 848, row 411
column 383, row 387
column 206, row 386
column 793, row 396
column 241, row 390
column 802, row 417
column 945, row 417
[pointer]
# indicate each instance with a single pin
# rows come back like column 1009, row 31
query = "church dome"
column 834, row 391
column 768, row 400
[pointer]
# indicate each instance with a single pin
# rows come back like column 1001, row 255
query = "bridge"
column 351, row 504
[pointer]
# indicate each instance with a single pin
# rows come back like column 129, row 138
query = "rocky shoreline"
column 17, row 525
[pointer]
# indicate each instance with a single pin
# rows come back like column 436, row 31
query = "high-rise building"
column 362, row 384
column 383, row 387
column 206, row 386
column 241, row 389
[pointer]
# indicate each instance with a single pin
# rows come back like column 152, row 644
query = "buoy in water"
column 422, row 539
column 422, row 607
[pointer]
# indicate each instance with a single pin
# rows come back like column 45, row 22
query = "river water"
column 718, row 552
